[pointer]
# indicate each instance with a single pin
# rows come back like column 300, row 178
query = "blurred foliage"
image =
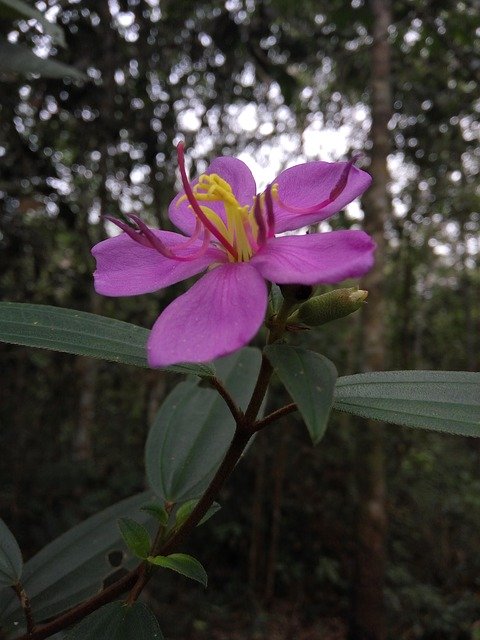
column 261, row 77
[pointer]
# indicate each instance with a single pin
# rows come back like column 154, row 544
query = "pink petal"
column 309, row 184
column 126, row 268
column 319, row 258
column 239, row 177
column 219, row 314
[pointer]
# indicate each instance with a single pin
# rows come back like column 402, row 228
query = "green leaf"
column 18, row 59
column 211, row 512
column 310, row 380
column 275, row 298
column 182, row 563
column 74, row 566
column 184, row 511
column 194, row 428
column 135, row 536
column 81, row 333
column 117, row 621
column 446, row 401
column 18, row 9
column 158, row 512
column 11, row 562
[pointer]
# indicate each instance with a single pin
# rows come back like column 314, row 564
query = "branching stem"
column 246, row 427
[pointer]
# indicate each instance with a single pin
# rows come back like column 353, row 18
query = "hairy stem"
column 25, row 604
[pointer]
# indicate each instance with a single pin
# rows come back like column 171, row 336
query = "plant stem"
column 266, row 368
column 235, row 410
column 84, row 608
column 237, row 447
column 25, row 604
column 274, row 416
column 246, row 427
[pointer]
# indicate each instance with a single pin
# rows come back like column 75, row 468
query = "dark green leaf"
column 18, row 59
column 194, row 428
column 116, row 621
column 184, row 564
column 447, row 401
column 135, row 536
column 18, row 9
column 81, row 333
column 72, row 567
column 11, row 562
column 310, row 380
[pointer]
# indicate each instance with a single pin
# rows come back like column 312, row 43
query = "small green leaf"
column 81, row 333
column 275, row 298
column 11, row 563
column 182, row 563
column 310, row 380
column 184, row 511
column 211, row 512
column 446, row 401
column 136, row 537
column 18, row 59
column 117, row 621
column 158, row 512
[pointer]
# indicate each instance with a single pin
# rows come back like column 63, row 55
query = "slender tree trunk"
column 368, row 618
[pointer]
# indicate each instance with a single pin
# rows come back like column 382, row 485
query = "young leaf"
column 135, row 536
column 182, row 563
column 11, row 562
column 310, row 380
column 184, row 511
column 194, row 428
column 81, row 333
column 446, row 401
column 72, row 567
column 157, row 511
column 116, row 621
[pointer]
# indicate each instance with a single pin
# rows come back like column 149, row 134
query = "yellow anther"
column 240, row 228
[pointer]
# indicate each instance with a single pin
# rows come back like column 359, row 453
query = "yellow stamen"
column 240, row 228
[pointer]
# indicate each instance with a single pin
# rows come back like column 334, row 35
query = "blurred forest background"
column 375, row 533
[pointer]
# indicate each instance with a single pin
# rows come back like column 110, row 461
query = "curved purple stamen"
column 334, row 193
column 269, row 208
column 196, row 207
column 145, row 236
column 155, row 242
column 260, row 220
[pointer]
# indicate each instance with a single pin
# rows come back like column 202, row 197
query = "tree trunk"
column 368, row 617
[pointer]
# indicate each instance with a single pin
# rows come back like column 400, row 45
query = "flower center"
column 243, row 229
column 239, row 226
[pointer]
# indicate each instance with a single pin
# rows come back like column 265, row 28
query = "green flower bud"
column 329, row 306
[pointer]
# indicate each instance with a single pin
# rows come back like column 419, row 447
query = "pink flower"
column 229, row 231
